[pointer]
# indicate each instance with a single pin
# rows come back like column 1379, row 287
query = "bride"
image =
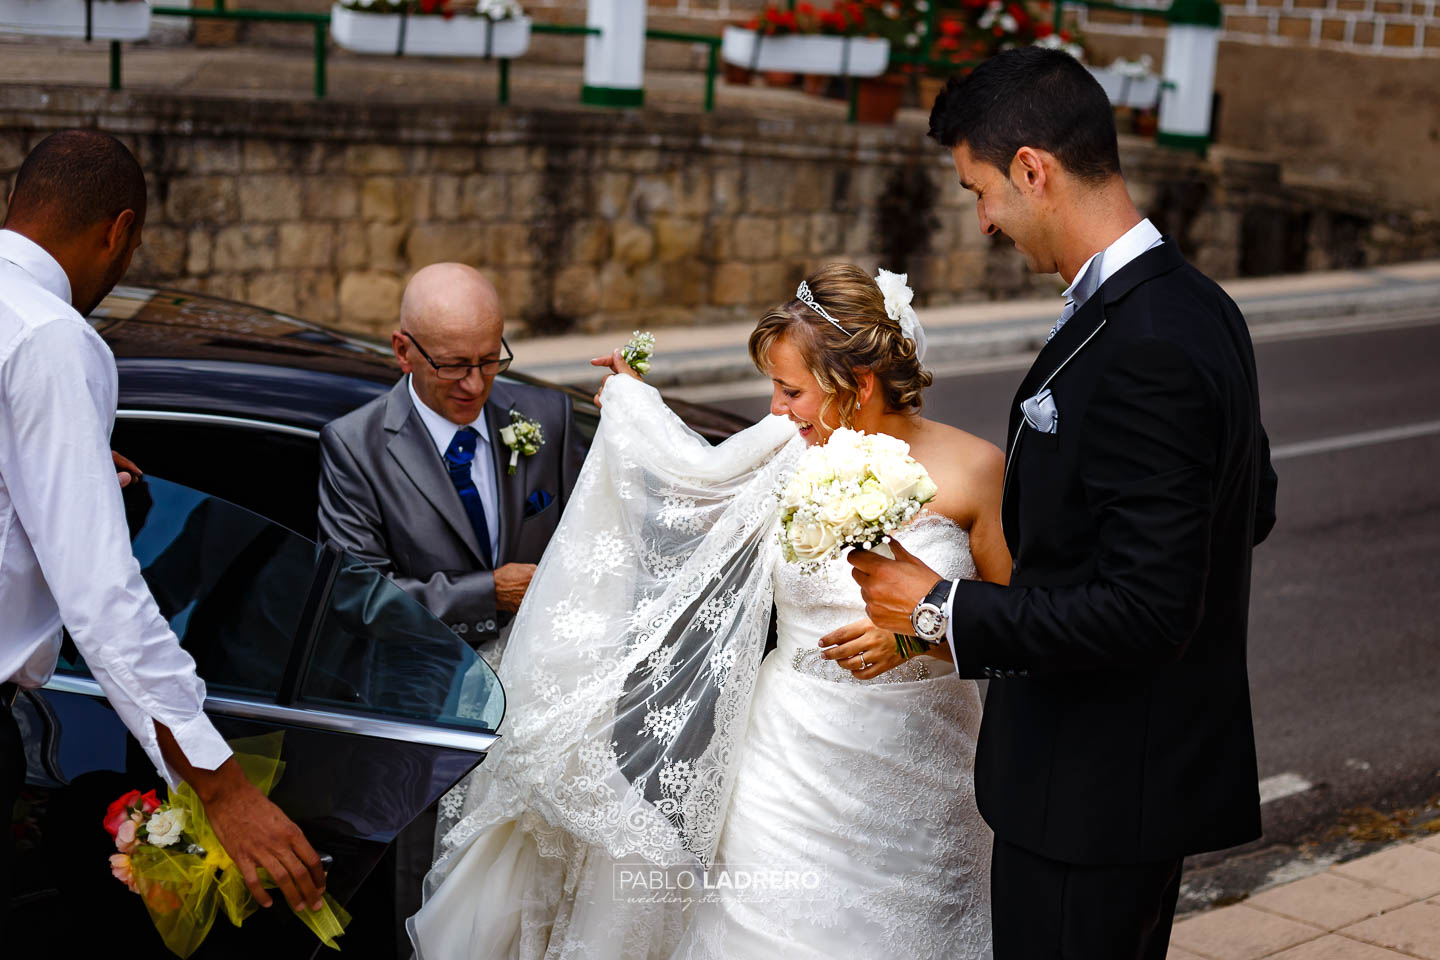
column 659, row 790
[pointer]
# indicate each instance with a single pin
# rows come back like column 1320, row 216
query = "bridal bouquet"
column 168, row 853
column 853, row 491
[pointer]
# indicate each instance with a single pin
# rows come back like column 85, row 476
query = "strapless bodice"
column 813, row 599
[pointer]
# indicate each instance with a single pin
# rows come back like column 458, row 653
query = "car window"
column 270, row 616
column 273, row 472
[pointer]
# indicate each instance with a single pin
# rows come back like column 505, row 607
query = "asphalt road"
column 1345, row 611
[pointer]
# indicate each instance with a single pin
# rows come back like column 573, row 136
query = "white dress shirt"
column 1137, row 240
column 482, row 467
column 64, row 545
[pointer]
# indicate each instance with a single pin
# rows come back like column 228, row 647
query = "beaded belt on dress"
column 812, row 664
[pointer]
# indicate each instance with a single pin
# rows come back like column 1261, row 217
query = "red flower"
column 1043, row 30
column 805, row 9
column 1065, row 35
column 150, row 803
column 951, row 27
column 119, row 811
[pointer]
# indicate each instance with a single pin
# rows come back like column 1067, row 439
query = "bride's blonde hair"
column 871, row 341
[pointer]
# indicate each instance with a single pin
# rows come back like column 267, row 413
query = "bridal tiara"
column 898, row 296
column 803, row 294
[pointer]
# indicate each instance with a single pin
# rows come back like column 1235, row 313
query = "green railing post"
column 711, row 68
column 854, row 110
column 1059, row 15
column 114, row 64
column 504, row 80
column 320, row 52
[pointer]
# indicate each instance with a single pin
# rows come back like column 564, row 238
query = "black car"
column 381, row 707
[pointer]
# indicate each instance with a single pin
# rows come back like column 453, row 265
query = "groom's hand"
column 891, row 588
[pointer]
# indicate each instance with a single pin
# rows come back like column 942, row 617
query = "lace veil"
column 631, row 663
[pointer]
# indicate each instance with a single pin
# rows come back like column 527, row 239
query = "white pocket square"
column 1040, row 412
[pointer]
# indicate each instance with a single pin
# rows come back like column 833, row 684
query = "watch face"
column 928, row 621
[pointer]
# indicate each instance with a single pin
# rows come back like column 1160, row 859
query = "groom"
column 1117, row 736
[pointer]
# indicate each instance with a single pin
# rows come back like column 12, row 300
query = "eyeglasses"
column 459, row 371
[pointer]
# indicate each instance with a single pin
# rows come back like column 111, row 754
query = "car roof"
column 185, row 351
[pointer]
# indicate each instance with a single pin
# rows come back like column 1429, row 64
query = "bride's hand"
column 616, row 365
column 862, row 648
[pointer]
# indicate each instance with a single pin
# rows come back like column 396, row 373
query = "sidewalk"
column 971, row 334
column 1385, row 906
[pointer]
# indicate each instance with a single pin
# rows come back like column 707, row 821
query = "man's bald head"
column 446, row 298
column 74, row 180
column 450, row 316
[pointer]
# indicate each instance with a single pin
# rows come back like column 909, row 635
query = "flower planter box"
column 805, row 53
column 428, row 35
column 1126, row 89
column 109, row 19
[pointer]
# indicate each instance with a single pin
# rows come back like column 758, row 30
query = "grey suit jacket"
column 386, row 497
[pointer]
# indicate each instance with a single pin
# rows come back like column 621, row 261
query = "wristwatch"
column 929, row 618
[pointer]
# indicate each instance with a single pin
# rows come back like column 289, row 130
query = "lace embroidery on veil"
column 631, row 664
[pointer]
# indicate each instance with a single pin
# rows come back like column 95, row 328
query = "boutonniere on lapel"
column 1040, row 412
column 522, row 436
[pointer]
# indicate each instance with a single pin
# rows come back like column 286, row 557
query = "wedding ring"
column 862, row 660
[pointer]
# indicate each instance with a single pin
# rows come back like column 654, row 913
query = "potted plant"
column 85, row 19
column 1130, row 83
column 806, row 40
column 905, row 25
column 431, row 28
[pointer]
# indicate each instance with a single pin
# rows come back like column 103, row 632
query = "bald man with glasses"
column 418, row 482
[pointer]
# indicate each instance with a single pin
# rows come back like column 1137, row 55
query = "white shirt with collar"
column 482, row 468
column 64, row 544
column 1139, row 239
column 1133, row 242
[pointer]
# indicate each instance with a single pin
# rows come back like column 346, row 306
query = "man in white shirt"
column 73, row 223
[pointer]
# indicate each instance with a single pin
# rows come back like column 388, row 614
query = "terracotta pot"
column 878, row 100
column 815, row 84
column 1145, row 123
column 930, row 88
column 738, row 75
column 777, row 78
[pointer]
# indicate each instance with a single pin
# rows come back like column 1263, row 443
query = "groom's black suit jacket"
column 1117, row 725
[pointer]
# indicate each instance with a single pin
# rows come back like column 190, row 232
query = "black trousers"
column 1047, row 910
column 12, row 778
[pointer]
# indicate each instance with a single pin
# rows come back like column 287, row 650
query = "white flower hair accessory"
column 898, row 295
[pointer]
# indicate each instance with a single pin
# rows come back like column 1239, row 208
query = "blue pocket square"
column 1041, row 413
column 537, row 501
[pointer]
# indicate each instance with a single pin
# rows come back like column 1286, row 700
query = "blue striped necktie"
column 458, row 458
column 1084, row 289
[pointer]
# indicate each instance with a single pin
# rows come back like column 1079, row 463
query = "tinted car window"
column 269, row 616
column 273, row 473
column 379, row 651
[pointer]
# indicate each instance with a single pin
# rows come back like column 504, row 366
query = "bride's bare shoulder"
column 968, row 470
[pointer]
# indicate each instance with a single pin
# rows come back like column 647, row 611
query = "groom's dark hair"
column 1030, row 97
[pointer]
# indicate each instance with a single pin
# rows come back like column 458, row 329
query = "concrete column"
column 615, row 60
column 1191, row 45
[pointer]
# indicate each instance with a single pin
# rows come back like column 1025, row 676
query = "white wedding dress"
column 658, row 792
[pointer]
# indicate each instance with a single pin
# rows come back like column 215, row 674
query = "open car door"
column 382, row 709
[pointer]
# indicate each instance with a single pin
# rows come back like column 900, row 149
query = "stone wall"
column 593, row 220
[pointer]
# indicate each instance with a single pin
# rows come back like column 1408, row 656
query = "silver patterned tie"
column 1082, row 291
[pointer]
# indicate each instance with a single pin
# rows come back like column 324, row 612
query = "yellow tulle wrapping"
column 184, row 891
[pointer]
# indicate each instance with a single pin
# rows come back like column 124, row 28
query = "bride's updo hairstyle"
column 871, row 340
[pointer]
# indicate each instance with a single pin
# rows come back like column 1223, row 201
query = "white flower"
column 1008, row 24
column 898, row 306
column 872, row 505
column 922, row 6
column 811, row 541
column 165, row 826
column 499, row 9
column 912, row 40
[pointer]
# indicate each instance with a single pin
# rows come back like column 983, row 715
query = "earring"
column 857, row 406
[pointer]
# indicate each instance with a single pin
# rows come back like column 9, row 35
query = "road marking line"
column 1283, row 785
column 1349, row 441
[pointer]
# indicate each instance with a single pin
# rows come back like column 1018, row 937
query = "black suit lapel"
column 1078, row 333
column 414, row 452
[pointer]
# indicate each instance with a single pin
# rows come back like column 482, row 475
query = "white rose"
column 872, row 506
column 925, row 489
column 507, row 434
column 165, row 827
column 811, row 540
column 837, row 511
